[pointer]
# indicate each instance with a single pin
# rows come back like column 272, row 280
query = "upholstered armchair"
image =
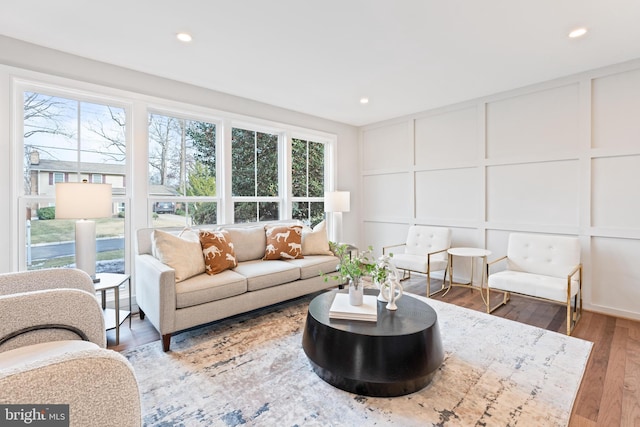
column 52, row 350
column 424, row 251
column 540, row 266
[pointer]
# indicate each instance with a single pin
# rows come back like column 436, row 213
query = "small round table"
column 467, row 253
column 396, row 355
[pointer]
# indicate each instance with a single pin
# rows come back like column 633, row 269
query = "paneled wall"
column 560, row 157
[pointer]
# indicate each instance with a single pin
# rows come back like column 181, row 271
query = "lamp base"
column 86, row 247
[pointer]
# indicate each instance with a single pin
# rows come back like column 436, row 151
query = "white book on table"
column 342, row 309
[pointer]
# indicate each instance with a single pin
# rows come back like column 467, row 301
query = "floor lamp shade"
column 84, row 201
column 337, row 202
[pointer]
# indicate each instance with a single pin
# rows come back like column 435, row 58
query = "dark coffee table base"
column 373, row 389
column 397, row 355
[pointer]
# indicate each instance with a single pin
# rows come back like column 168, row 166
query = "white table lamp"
column 337, row 202
column 84, row 201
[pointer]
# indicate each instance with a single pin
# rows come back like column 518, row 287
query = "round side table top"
column 469, row 252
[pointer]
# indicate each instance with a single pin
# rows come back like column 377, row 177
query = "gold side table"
column 471, row 253
column 113, row 318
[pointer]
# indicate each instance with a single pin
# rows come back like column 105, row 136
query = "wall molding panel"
column 559, row 157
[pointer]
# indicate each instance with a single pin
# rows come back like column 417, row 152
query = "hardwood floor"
column 610, row 391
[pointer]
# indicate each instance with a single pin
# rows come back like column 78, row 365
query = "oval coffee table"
column 397, row 355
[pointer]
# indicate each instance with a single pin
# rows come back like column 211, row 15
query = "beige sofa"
column 175, row 299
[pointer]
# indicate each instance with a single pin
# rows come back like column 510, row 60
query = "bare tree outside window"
column 69, row 140
column 182, row 165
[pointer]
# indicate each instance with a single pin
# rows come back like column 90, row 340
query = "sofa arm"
column 156, row 292
column 99, row 386
column 50, row 315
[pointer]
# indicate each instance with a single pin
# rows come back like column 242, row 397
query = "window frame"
column 191, row 115
column 284, row 213
column 21, row 200
column 328, row 148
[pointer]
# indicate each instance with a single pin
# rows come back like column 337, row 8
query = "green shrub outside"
column 47, row 213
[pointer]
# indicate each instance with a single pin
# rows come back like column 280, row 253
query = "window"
column 255, row 175
column 70, row 140
column 182, row 169
column 69, row 135
column 307, row 173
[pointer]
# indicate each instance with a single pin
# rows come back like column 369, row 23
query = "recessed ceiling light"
column 364, row 100
column 184, row 37
column 578, row 32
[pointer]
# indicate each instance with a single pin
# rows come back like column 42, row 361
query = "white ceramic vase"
column 381, row 294
column 356, row 292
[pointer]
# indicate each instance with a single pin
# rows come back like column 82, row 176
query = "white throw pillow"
column 315, row 242
column 182, row 253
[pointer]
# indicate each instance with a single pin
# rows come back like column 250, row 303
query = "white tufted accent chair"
column 425, row 250
column 541, row 266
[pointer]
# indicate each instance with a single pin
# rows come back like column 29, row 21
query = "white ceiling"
column 321, row 57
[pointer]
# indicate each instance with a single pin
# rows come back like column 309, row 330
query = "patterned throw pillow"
column 217, row 250
column 283, row 242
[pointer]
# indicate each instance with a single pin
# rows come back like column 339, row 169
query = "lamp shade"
column 337, row 201
column 82, row 200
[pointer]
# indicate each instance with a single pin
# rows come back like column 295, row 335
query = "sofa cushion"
column 265, row 274
column 217, row 250
column 205, row 288
column 183, row 253
column 248, row 242
column 314, row 265
column 283, row 242
column 315, row 242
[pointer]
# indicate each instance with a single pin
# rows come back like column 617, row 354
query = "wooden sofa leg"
column 166, row 342
column 141, row 314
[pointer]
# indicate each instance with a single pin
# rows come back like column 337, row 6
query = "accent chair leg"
column 506, row 296
column 569, row 323
column 576, row 313
column 141, row 314
column 488, row 302
column 442, row 288
column 166, row 342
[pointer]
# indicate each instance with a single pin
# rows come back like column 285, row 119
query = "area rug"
column 251, row 370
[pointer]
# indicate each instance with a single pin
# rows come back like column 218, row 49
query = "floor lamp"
column 84, row 201
column 337, row 202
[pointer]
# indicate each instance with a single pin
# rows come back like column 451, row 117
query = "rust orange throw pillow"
column 283, row 242
column 217, row 250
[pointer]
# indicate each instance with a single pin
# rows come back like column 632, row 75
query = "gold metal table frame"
column 472, row 253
